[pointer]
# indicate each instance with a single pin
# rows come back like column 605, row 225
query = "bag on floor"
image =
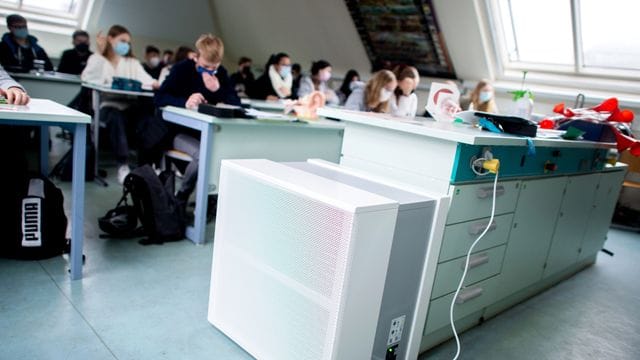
column 121, row 221
column 33, row 221
column 153, row 197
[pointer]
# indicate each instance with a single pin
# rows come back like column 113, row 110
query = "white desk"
column 245, row 139
column 59, row 87
column 45, row 113
column 97, row 91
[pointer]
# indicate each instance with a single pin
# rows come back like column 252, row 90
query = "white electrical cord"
column 466, row 266
column 474, row 165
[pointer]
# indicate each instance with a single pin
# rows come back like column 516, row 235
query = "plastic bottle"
column 523, row 106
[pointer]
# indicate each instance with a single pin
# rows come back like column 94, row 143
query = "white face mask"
column 485, row 96
column 385, row 94
column 154, row 61
column 324, row 75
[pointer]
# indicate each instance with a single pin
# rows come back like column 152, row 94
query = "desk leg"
column 77, row 202
column 202, row 187
column 95, row 102
column 44, row 150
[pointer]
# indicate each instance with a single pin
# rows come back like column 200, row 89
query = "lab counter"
column 554, row 204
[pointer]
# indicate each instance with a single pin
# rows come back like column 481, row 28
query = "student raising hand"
column 101, row 41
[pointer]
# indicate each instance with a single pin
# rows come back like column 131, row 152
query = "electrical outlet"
column 395, row 332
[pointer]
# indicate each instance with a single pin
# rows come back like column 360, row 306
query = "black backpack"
column 159, row 211
column 32, row 219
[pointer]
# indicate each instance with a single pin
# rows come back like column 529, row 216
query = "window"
column 57, row 16
column 583, row 37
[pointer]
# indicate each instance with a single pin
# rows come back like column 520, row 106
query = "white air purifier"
column 299, row 262
column 412, row 260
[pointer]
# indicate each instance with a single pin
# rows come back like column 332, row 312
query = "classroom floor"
column 150, row 302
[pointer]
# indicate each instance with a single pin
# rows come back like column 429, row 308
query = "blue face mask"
column 122, row 48
column 202, row 70
column 21, row 33
column 485, row 96
column 285, row 71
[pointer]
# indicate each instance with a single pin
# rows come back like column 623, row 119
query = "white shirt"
column 101, row 72
column 307, row 87
column 356, row 100
column 404, row 105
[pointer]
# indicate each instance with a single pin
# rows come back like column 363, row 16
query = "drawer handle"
column 476, row 260
column 468, row 294
column 485, row 192
column 477, row 228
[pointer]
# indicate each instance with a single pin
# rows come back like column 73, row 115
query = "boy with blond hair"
column 190, row 83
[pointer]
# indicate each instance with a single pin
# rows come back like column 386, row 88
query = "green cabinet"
column 604, row 203
column 533, row 224
column 572, row 221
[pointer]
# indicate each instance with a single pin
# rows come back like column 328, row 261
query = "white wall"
column 305, row 29
column 163, row 23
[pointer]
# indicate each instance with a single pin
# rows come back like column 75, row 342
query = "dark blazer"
column 184, row 80
column 73, row 62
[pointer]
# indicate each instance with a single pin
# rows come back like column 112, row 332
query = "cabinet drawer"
column 458, row 238
column 473, row 201
column 482, row 265
column 471, row 299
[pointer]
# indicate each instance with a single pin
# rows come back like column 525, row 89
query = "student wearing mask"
column 482, row 98
column 318, row 81
column 152, row 62
column 74, row 60
column 191, row 83
column 404, row 102
column 243, row 78
column 18, row 49
column 182, row 53
column 115, row 59
column 276, row 81
column 350, row 81
column 375, row 95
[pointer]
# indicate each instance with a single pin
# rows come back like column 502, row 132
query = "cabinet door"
column 533, row 223
column 572, row 220
column 604, row 203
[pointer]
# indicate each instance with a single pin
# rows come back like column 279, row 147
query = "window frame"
column 57, row 22
column 507, row 69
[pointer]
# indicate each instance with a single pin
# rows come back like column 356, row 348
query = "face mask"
column 154, row 61
column 324, row 76
column 122, row 48
column 203, row 70
column 83, row 48
column 21, row 33
column 485, row 96
column 285, row 71
column 385, row 94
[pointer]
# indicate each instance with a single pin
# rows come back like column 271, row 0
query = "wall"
column 305, row 29
column 163, row 23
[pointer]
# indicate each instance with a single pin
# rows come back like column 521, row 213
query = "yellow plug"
column 492, row 165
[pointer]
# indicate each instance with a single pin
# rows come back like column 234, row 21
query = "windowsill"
column 558, row 87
